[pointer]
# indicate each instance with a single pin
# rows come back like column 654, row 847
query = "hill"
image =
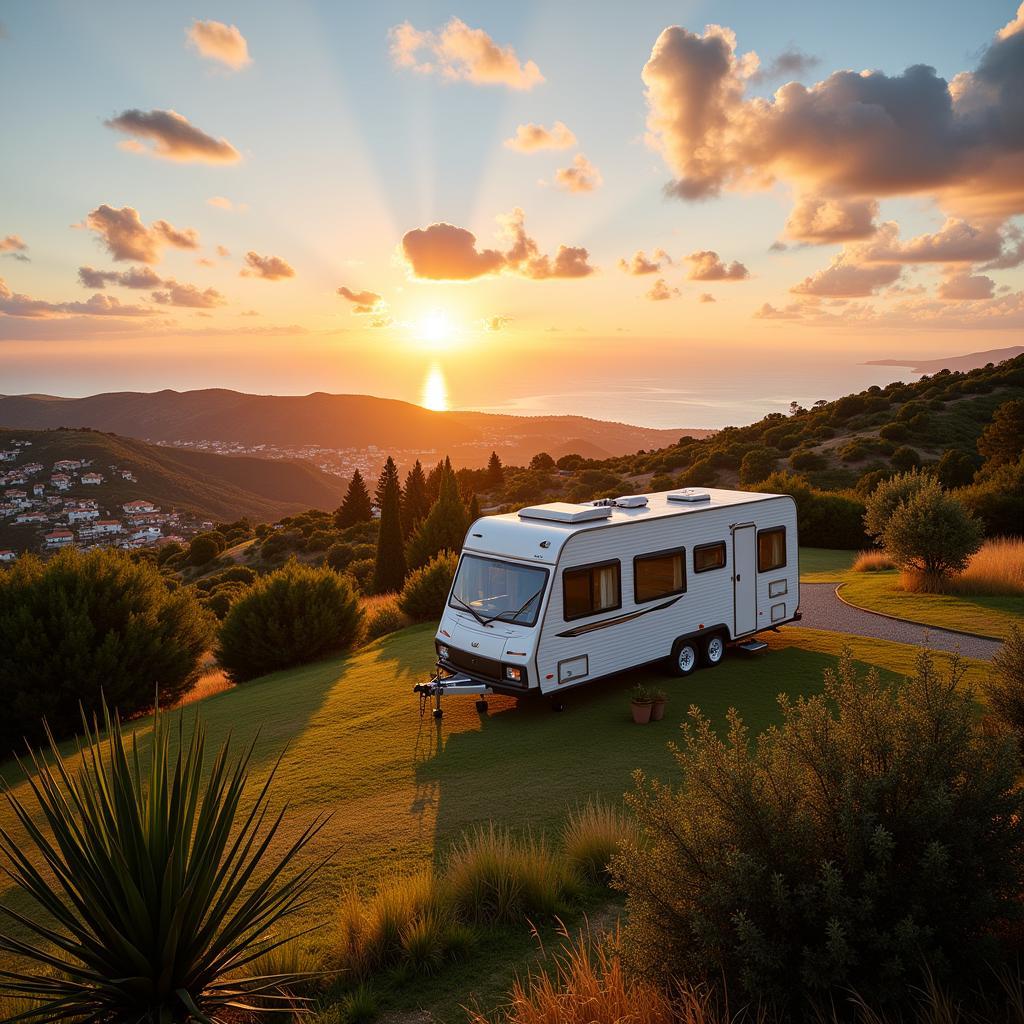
column 217, row 487
column 330, row 421
column 971, row 361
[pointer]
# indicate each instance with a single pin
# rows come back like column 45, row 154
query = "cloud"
column 956, row 242
column 531, row 137
column 127, row 238
column 965, row 286
column 173, row 136
column 660, row 291
column 15, row 247
column 769, row 312
column 444, row 252
column 363, row 302
column 821, row 221
column 223, row 251
column 778, row 246
column 188, row 295
column 639, row 263
column 846, row 278
column 706, row 266
column 582, row 176
column 134, row 277
column 15, row 304
column 1012, row 255
column 792, row 62
column 217, row 41
column 706, row 297
column 458, row 52
column 270, row 268
column 851, row 135
column 494, row 324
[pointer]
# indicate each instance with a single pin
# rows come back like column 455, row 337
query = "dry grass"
column 872, row 561
column 212, row 681
column 381, row 615
column 591, row 836
column 996, row 570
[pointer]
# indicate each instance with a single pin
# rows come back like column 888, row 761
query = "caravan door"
column 744, row 579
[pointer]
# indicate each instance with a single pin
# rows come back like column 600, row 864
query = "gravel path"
column 822, row 609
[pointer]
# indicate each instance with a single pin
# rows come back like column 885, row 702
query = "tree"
column 83, row 626
column 427, row 587
column 389, row 570
column 878, row 829
column 445, row 527
column 289, row 617
column 473, row 513
column 955, row 469
column 355, row 508
column 1002, row 441
column 886, row 497
column 932, row 533
column 756, row 465
column 1004, row 686
column 434, row 478
column 542, row 462
column 495, row 472
column 415, row 505
column 202, row 549
column 905, row 458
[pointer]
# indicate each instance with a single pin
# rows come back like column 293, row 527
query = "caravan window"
column 709, row 556
column 591, row 589
column 494, row 589
column 771, row 549
column 659, row 575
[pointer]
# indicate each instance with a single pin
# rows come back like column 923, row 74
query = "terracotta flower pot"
column 658, row 708
column 641, row 711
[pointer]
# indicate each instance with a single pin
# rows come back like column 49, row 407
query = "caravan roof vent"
column 631, row 501
column 565, row 512
column 689, row 494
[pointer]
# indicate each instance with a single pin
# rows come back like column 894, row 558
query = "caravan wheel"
column 714, row 650
column 684, row 658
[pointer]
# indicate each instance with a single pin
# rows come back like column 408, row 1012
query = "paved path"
column 822, row 609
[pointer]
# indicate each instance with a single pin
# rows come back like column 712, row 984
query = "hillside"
column 332, row 421
column 217, row 487
column 971, row 361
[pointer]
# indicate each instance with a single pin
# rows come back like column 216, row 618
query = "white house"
column 61, row 481
column 31, row 517
column 39, row 490
column 82, row 515
column 7, row 555
column 64, row 465
column 126, row 474
column 92, row 478
column 59, row 538
column 134, row 508
column 107, row 526
column 147, row 534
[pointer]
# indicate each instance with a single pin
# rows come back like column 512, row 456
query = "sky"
column 507, row 206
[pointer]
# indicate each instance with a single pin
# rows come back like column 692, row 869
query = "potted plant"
column 641, row 704
column 659, row 698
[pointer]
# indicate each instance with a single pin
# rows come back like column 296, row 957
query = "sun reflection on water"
column 434, row 394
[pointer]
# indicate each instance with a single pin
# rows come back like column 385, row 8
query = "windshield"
column 492, row 589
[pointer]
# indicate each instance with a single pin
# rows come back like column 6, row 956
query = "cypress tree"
column 415, row 504
column 434, row 481
column 445, row 527
column 495, row 472
column 356, row 506
column 389, row 571
column 474, row 509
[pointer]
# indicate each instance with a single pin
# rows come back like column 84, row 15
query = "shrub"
column 955, row 469
column 1004, row 685
column 1001, row 443
column 886, row 497
column 878, row 828
column 757, row 464
column 82, row 625
column 591, row 836
column 805, row 459
column 932, row 533
column 905, row 459
column 701, row 474
column 383, row 617
column 998, row 499
column 340, row 556
column 203, row 549
column 294, row 615
column 873, row 561
column 995, row 570
column 824, row 518
column 220, row 598
column 113, row 838
column 426, row 590
column 361, row 570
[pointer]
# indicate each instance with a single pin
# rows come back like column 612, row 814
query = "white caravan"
column 557, row 595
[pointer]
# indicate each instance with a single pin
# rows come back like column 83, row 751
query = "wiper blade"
column 472, row 611
column 526, row 604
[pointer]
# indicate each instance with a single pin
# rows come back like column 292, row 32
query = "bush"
column 757, row 464
column 292, row 616
column 932, row 533
column 340, row 556
column 905, row 459
column 873, row 561
column 894, row 432
column 426, row 590
column 203, row 549
column 1002, row 442
column 878, row 829
column 805, row 459
column 955, row 469
column 998, row 500
column 220, row 598
column 1004, row 685
column 887, row 496
column 85, row 625
column 383, row 617
column 361, row 570
column 825, row 519
column 591, row 836
column 114, row 840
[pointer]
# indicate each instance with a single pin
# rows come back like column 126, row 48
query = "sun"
column 435, row 328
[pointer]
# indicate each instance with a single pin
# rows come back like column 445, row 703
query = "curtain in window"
column 607, row 590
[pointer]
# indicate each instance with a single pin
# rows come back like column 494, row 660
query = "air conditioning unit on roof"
column 689, row 494
column 565, row 512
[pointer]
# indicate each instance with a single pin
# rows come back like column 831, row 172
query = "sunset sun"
column 435, row 329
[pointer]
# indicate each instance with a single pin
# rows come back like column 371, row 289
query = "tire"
column 714, row 650
column 685, row 658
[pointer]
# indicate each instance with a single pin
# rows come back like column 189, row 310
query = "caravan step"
column 752, row 646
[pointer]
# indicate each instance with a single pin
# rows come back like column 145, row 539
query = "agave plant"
column 154, row 887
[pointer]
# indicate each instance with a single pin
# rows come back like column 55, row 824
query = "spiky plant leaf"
column 155, row 887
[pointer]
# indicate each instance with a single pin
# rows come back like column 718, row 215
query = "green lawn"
column 822, row 565
column 401, row 787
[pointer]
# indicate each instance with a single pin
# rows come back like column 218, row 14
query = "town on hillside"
column 45, row 508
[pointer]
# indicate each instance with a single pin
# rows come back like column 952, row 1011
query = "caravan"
column 557, row 595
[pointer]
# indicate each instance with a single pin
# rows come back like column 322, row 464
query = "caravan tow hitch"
column 439, row 685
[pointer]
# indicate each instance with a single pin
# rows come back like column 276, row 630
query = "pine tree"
column 445, row 527
column 415, row 504
column 474, row 509
column 356, row 507
column 495, row 472
column 389, row 571
column 434, row 482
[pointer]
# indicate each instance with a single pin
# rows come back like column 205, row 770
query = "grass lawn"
column 400, row 788
column 822, row 565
